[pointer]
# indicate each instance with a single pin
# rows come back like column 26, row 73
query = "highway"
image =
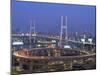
column 48, row 36
column 54, row 58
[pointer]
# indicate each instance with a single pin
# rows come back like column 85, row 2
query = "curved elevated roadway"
column 26, row 56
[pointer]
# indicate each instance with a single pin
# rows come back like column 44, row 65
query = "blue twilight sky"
column 81, row 18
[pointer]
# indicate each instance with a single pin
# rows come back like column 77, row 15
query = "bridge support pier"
column 31, row 66
column 20, row 67
column 71, row 64
column 56, row 53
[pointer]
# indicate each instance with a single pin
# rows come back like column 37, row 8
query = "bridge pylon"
column 32, row 30
column 63, row 32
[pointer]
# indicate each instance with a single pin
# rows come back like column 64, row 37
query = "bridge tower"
column 32, row 33
column 63, row 32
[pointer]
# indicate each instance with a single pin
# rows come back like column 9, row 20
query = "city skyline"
column 47, row 18
column 51, row 37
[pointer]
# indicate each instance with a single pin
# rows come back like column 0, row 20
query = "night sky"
column 81, row 18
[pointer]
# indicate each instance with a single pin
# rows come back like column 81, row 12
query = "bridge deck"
column 50, row 37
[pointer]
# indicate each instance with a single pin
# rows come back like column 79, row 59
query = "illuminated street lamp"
column 22, row 34
column 53, row 41
column 67, row 46
column 90, row 40
column 38, row 45
column 83, row 42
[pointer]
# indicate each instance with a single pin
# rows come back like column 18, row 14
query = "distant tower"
column 84, row 36
column 63, row 33
column 76, row 36
column 32, row 30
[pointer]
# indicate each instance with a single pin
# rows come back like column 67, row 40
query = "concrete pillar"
column 49, row 53
column 71, row 64
column 56, row 53
column 31, row 66
column 64, row 66
column 20, row 67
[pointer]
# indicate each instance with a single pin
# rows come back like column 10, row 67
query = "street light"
column 90, row 40
column 67, row 46
column 53, row 41
column 38, row 45
column 83, row 42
